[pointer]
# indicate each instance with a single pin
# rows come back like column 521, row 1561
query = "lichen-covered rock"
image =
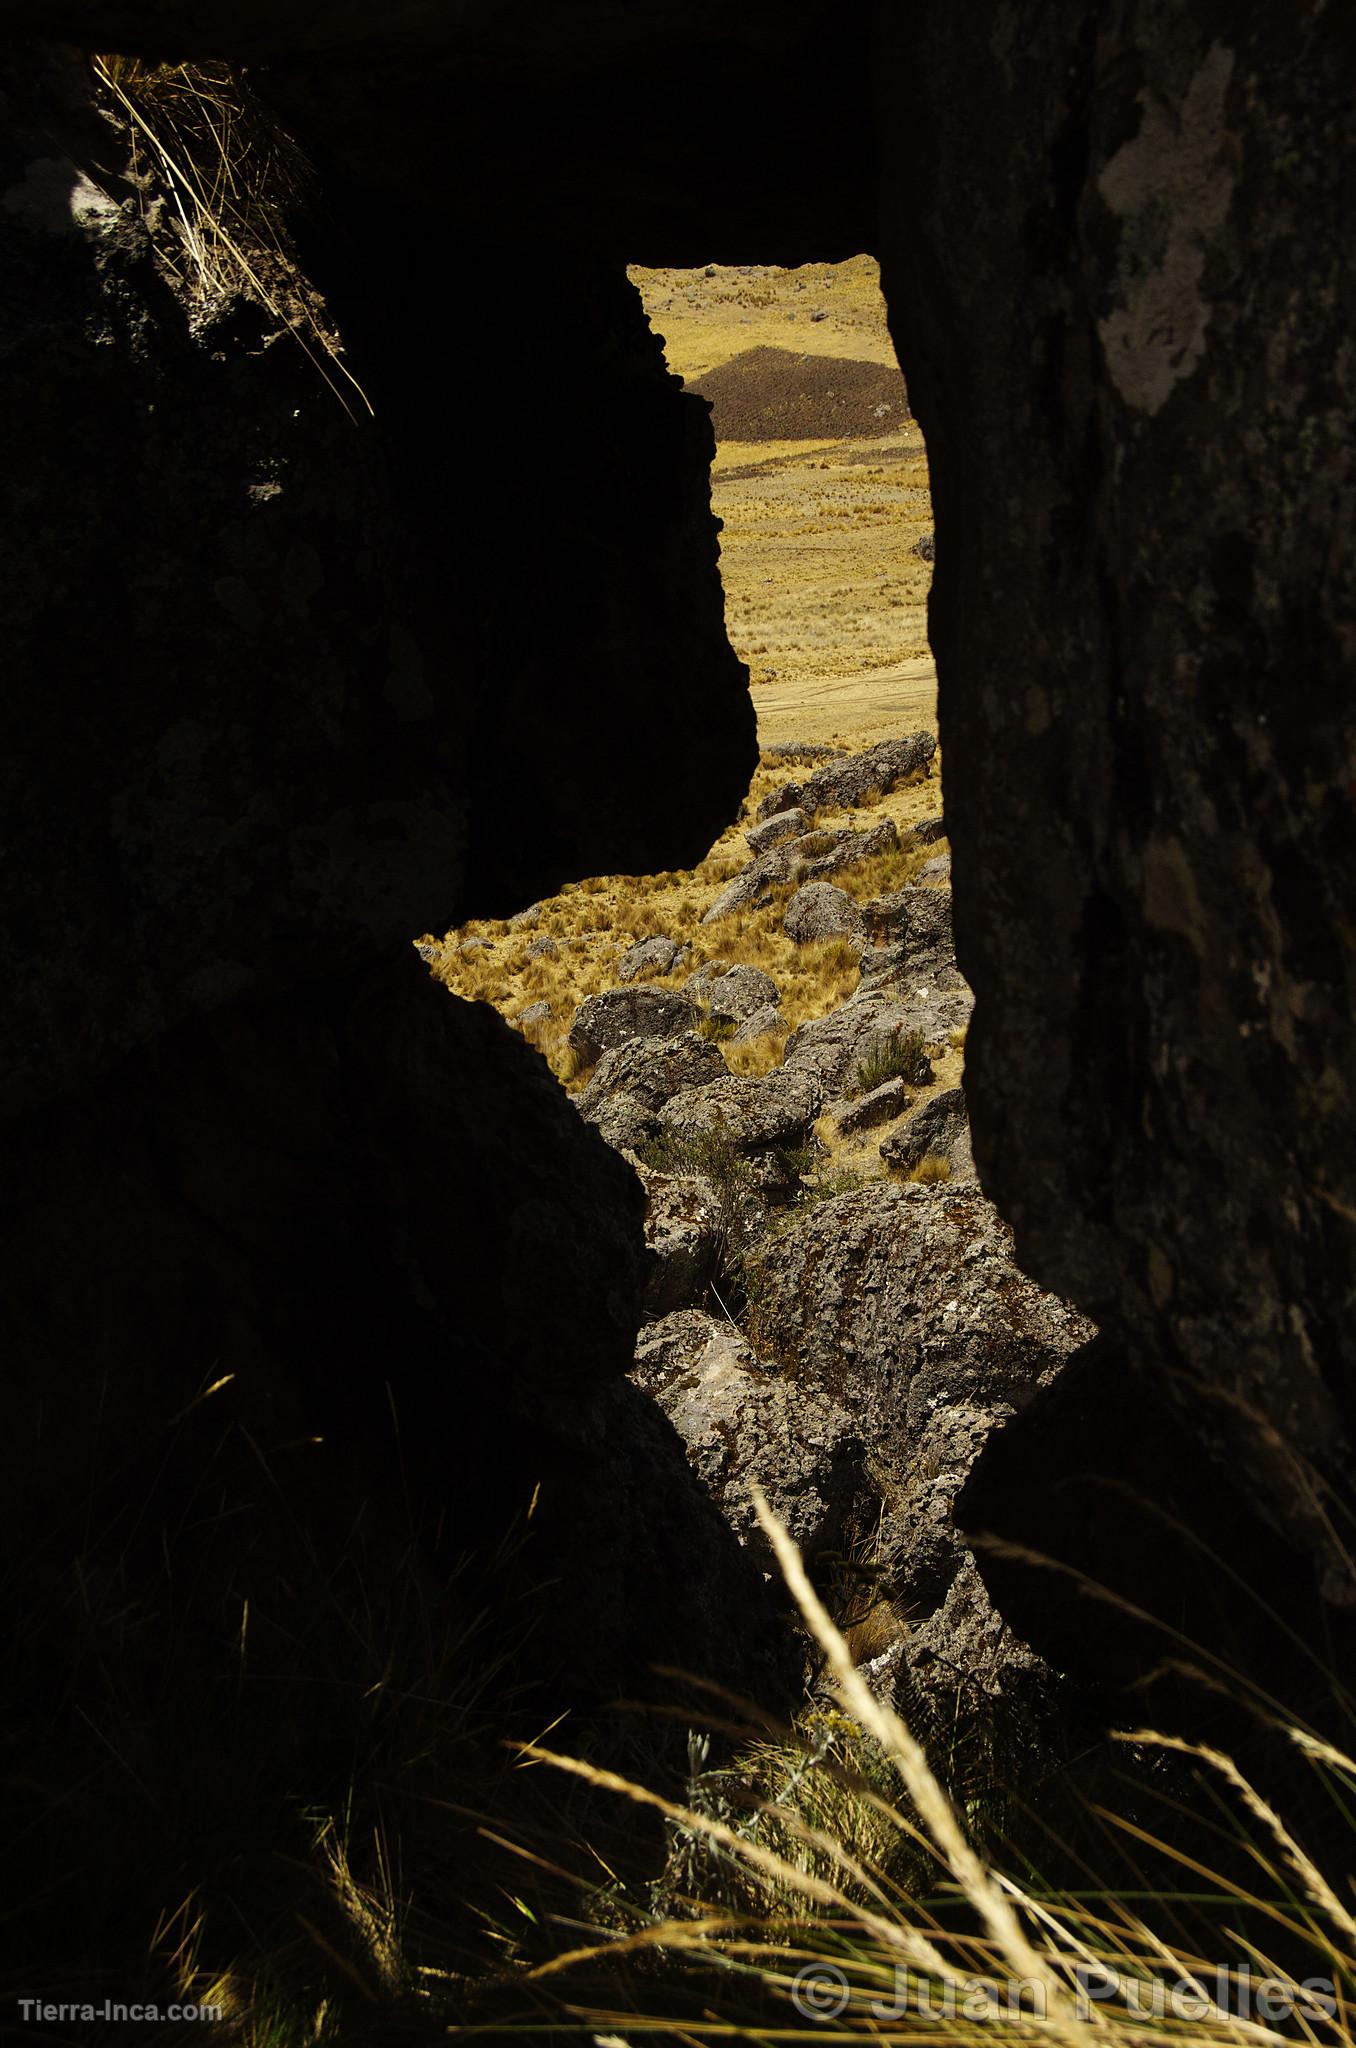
column 642, row 1011
column 632, row 1082
column 754, row 1111
column 814, row 855
column 738, row 993
column 880, row 1106
column 685, row 1232
column 744, row 1426
column 860, row 779
column 787, row 824
column 935, row 1130
column 764, row 1023
column 833, row 1047
column 1151, row 810
column 658, row 955
column 914, row 917
column 820, row 911
column 903, row 1305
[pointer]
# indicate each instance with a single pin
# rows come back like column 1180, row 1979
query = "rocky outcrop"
column 904, row 1307
column 859, row 779
column 738, row 994
column 632, row 1082
column 262, row 644
column 647, row 957
column 754, row 1111
column 644, row 1010
column 820, row 911
column 743, row 1426
column 833, row 1048
column 811, row 855
column 1141, row 526
column 938, row 1130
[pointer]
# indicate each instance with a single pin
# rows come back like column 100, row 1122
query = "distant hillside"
column 771, row 394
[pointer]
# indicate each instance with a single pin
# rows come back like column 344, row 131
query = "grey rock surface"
column 881, row 1106
column 762, row 1023
column 938, row 1129
column 738, row 993
column 742, row 1426
column 632, row 1082
column 755, row 1111
column 658, row 955
column 860, row 779
column 641, row 1011
column 784, row 825
column 821, row 911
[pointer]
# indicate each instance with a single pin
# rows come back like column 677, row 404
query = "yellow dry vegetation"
column 827, row 602
column 817, row 553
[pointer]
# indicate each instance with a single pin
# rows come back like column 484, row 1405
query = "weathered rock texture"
column 285, row 688
column 1145, row 500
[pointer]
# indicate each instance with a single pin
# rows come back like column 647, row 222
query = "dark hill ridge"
column 769, row 394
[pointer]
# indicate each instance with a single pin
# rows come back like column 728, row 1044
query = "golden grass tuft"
column 215, row 165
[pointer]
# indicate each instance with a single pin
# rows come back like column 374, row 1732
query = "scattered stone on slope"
column 619, row 1014
column 822, row 911
column 744, row 1426
column 860, row 779
column 658, row 955
column 935, row 1130
column 881, row 1106
column 523, row 920
column 927, row 831
column 785, row 825
column 544, row 948
column 801, row 753
column 535, row 1013
column 812, row 856
column 936, row 870
column 760, row 1025
column 755, row 1113
column 832, row 1048
column 925, row 547
column 918, row 918
column 740, row 993
column 633, row 1081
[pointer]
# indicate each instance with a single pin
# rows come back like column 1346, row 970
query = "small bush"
column 933, row 1166
column 899, row 1055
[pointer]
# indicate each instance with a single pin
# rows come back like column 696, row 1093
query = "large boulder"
column 743, row 1425
column 642, row 1011
column 937, row 1130
column 833, row 1048
column 1144, row 695
column 658, row 955
column 632, row 1082
column 811, row 856
column 738, row 994
column 754, row 1112
column 903, row 1304
column 820, row 911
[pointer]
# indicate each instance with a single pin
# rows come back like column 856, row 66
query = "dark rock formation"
column 645, row 1010
column 903, row 1306
column 1143, row 486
